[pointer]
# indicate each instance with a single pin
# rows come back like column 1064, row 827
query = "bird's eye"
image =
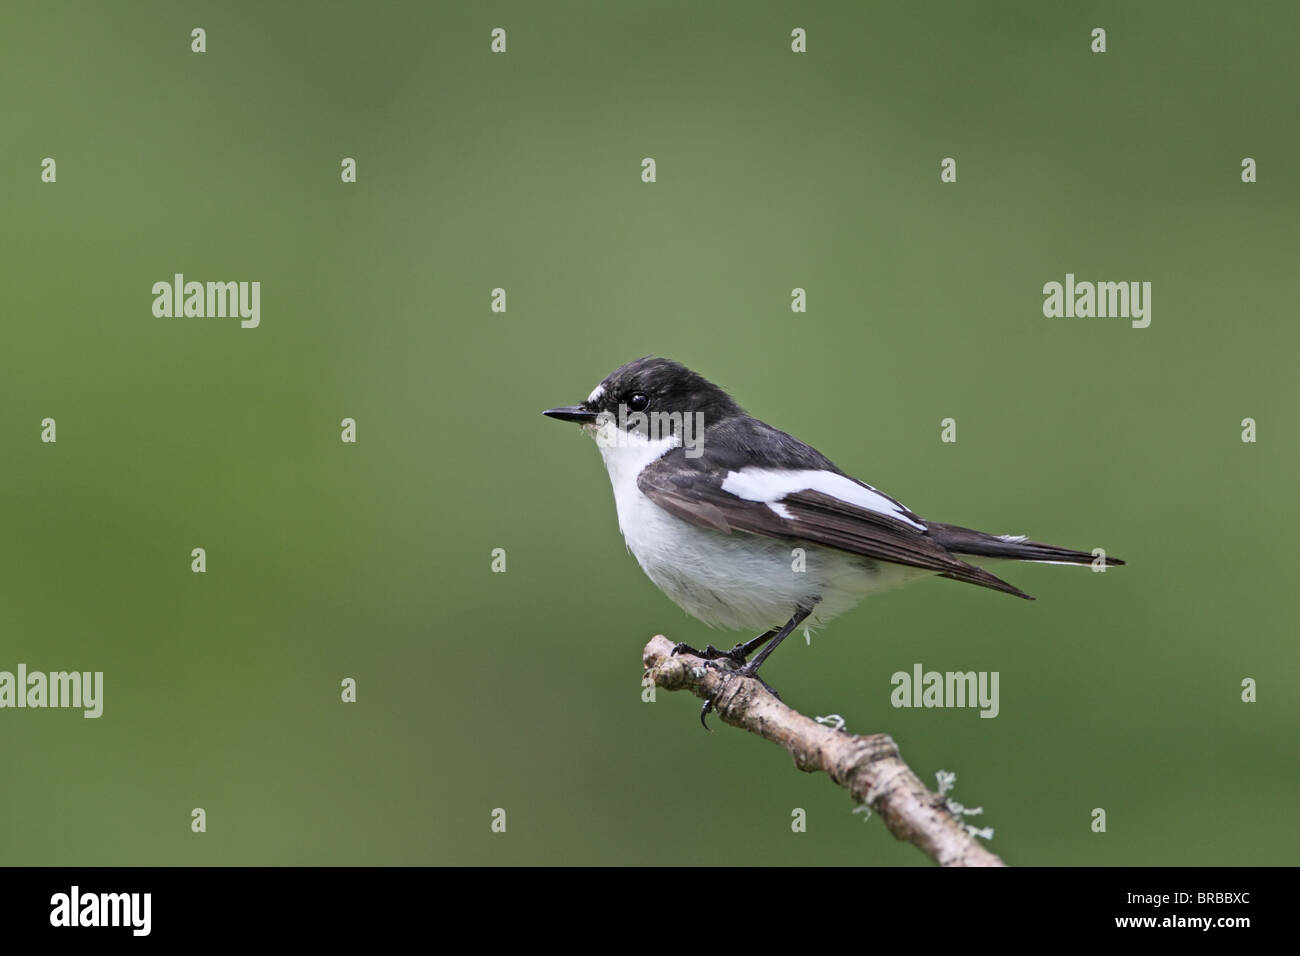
column 639, row 402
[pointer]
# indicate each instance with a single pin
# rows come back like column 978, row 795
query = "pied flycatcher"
column 748, row 528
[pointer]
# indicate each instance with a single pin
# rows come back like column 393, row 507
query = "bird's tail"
column 966, row 541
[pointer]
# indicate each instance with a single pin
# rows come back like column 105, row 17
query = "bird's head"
column 651, row 399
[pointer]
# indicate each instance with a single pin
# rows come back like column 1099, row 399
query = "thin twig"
column 869, row 767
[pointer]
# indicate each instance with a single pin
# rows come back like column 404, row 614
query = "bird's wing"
column 820, row 506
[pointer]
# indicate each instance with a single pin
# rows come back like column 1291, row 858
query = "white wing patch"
column 770, row 485
column 1013, row 538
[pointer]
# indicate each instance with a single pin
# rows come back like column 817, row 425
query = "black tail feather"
column 966, row 541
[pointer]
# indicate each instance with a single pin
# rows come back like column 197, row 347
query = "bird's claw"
column 704, row 712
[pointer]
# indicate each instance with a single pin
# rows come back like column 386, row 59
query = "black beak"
column 571, row 413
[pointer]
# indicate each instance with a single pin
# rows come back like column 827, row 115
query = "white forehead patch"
column 596, row 394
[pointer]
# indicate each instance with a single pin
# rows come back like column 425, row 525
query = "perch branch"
column 869, row 767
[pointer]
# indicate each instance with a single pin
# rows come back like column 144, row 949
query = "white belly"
column 743, row 581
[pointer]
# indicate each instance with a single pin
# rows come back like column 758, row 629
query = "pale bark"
column 869, row 767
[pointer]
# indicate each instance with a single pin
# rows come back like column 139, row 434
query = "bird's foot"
column 736, row 656
column 710, row 653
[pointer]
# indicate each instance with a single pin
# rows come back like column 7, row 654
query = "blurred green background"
column 521, row 690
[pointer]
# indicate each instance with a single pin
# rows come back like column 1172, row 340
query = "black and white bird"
column 748, row 528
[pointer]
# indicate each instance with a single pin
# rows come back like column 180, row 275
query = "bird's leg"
column 736, row 655
column 751, row 669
